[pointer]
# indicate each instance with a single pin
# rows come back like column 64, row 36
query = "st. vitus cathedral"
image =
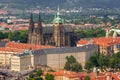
column 58, row 35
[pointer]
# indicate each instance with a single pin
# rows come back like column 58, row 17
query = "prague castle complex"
column 41, row 47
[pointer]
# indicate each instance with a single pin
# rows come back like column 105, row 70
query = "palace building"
column 58, row 34
column 54, row 58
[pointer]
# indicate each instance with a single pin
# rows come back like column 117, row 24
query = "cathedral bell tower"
column 58, row 30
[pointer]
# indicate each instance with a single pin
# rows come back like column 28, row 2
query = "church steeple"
column 40, row 24
column 40, row 31
column 31, row 29
column 31, row 24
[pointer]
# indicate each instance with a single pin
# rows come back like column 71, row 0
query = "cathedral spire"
column 40, row 24
column 40, row 18
column 31, row 16
column 31, row 24
column 31, row 29
column 40, row 31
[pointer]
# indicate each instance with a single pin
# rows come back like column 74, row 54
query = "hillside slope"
column 63, row 3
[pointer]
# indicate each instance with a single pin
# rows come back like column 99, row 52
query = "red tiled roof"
column 65, row 73
column 81, row 75
column 16, row 47
column 102, row 41
column 82, row 42
column 8, row 50
column 26, row 46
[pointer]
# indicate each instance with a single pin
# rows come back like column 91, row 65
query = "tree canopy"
column 72, row 64
column 49, row 77
column 36, row 76
column 90, row 33
column 100, row 60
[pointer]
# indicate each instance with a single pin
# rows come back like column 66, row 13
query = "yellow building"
column 21, row 62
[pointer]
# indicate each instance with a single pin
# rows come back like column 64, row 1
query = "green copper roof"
column 57, row 18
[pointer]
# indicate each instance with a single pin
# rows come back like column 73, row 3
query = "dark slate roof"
column 85, row 48
column 2, row 44
column 67, row 49
column 26, row 52
column 49, row 29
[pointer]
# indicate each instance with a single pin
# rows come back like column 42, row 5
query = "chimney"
column 64, row 72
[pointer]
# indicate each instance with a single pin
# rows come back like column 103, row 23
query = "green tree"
column 36, row 75
column 67, row 66
column 72, row 64
column 89, row 33
column 10, row 36
column 39, row 73
column 94, row 60
column 118, row 54
column 113, row 61
column 38, row 78
column 71, row 59
column 23, row 36
column 1, row 35
column 87, row 78
column 31, row 77
column 49, row 77
column 103, row 60
column 18, row 36
column 88, row 65
column 76, row 67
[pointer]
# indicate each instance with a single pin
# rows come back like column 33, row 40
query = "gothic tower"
column 31, row 28
column 35, row 34
column 39, row 31
column 58, row 30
